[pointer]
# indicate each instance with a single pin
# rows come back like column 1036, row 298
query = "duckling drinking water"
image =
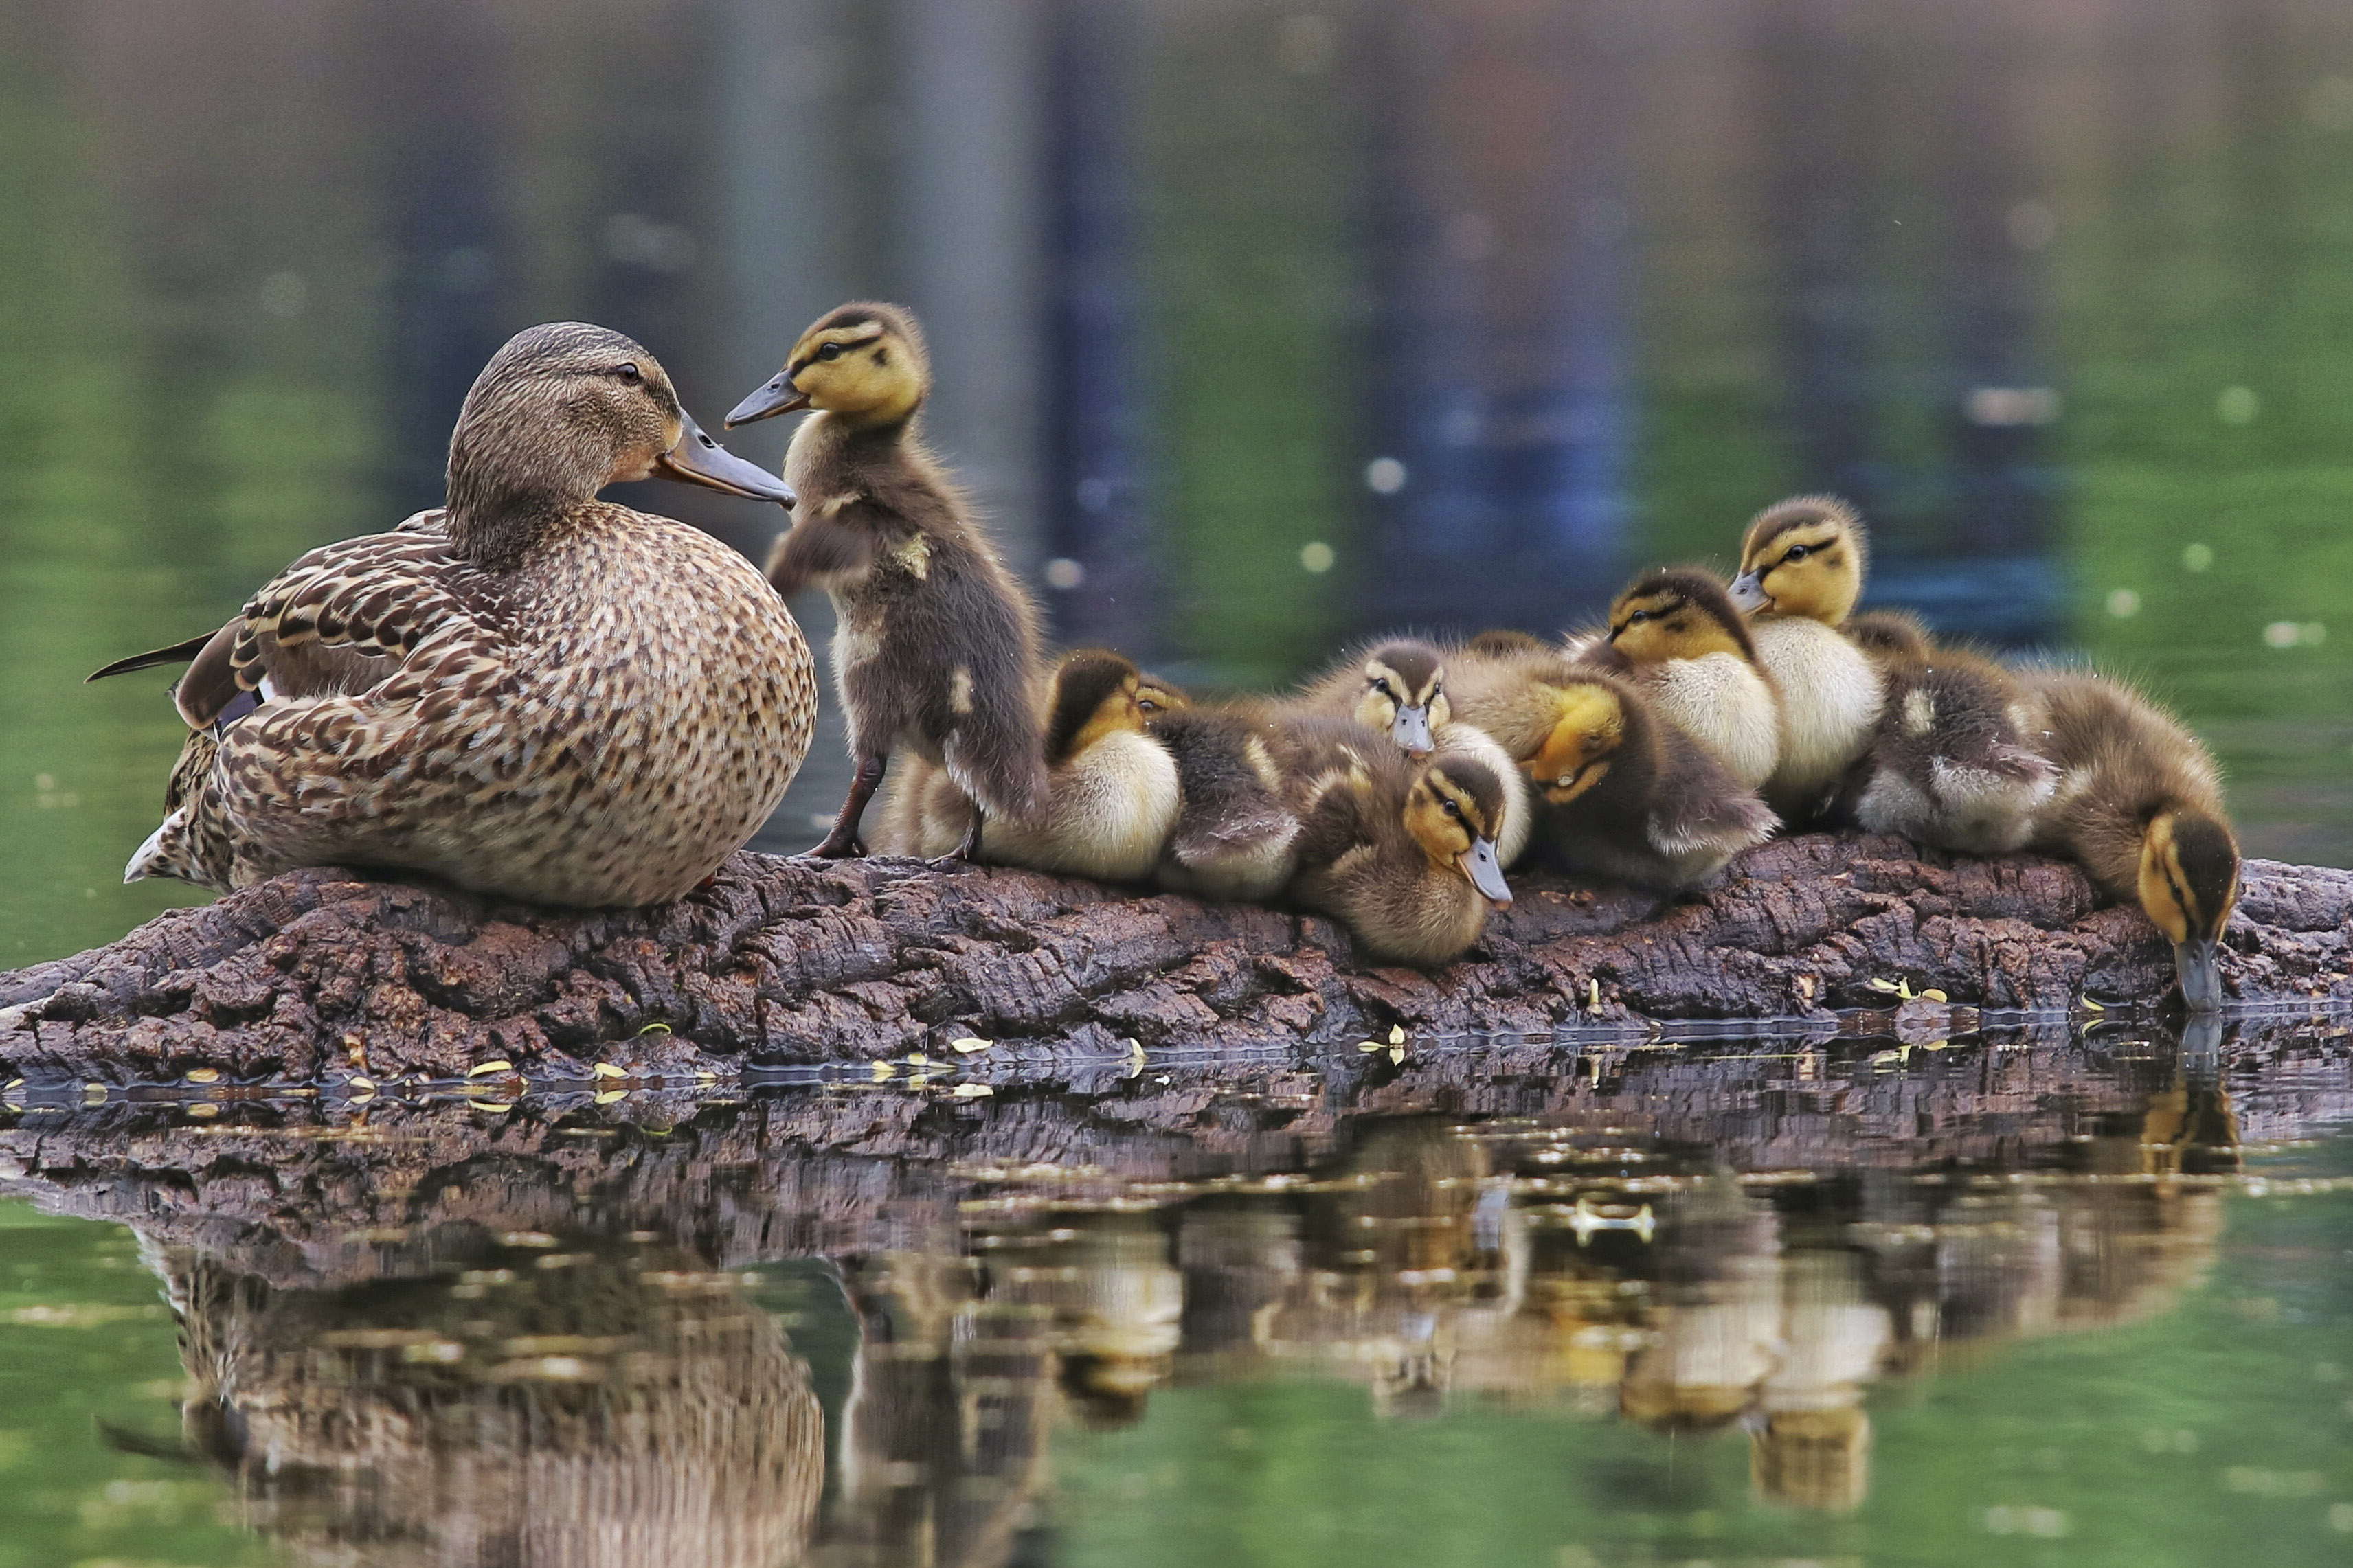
column 936, row 641
column 530, row 692
column 2139, row 803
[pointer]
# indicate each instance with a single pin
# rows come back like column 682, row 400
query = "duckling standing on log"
column 1111, row 788
column 1626, row 796
column 1403, row 852
column 1801, row 567
column 530, row 692
column 2139, row 803
column 936, row 642
column 1678, row 638
column 1399, row 689
column 1948, row 759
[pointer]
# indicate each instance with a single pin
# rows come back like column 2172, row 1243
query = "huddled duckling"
column 1628, row 796
column 1110, row 794
column 529, row 692
column 1678, row 638
column 1235, row 835
column 1948, row 760
column 937, row 640
column 1403, row 852
column 2140, row 805
column 1399, row 688
column 1801, row 570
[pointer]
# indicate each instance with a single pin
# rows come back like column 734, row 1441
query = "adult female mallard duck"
column 530, row 692
column 1948, row 761
column 937, row 643
column 1111, row 788
column 2140, row 805
column 1679, row 639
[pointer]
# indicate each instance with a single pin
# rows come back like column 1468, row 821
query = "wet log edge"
column 323, row 974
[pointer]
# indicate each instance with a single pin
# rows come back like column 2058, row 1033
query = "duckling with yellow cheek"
column 2139, row 803
column 936, row 641
column 1948, row 761
column 1801, row 567
column 529, row 691
column 1680, row 640
column 1628, row 796
column 1111, row 789
column 1403, row 853
column 1399, row 689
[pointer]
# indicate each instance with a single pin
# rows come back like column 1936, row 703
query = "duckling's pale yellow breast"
column 1720, row 701
column 1829, row 694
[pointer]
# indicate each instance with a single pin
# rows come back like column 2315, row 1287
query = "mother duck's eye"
column 831, row 351
column 627, row 371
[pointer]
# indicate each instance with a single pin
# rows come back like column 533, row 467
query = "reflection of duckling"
column 1687, row 649
column 1801, row 568
column 1400, row 688
column 1628, row 796
column 1236, row 836
column 531, row 692
column 1948, row 761
column 1404, row 853
column 2139, row 803
column 937, row 640
column 1111, row 789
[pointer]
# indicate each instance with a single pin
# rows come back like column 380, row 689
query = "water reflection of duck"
column 626, row 1408
column 531, row 692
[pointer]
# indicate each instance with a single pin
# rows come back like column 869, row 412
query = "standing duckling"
column 1111, row 789
column 1678, row 638
column 1403, row 852
column 1400, row 688
column 1948, row 760
column 2140, row 805
column 936, row 642
column 1801, row 568
column 529, row 692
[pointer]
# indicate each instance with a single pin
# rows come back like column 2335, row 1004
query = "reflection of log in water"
column 1691, row 1241
column 784, row 961
column 560, row 1403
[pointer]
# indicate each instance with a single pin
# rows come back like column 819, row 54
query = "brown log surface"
column 322, row 972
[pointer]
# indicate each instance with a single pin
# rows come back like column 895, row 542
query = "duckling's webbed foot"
column 843, row 842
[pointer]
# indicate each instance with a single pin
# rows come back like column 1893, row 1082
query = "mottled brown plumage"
column 529, row 692
column 936, row 645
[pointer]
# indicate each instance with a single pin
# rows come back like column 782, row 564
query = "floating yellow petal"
column 969, row 1044
column 482, row 1069
column 608, row 1069
column 971, row 1090
column 205, row 1075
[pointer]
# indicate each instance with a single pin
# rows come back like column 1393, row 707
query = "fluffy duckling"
column 2140, row 805
column 1110, row 794
column 1948, row 760
column 1678, row 638
column 529, row 692
column 1403, row 852
column 1399, row 689
column 1628, row 796
column 936, row 641
column 1801, row 570
column 1235, row 835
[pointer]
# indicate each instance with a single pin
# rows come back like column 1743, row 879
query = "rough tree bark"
column 317, row 975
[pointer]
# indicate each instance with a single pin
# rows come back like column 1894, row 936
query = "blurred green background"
column 1258, row 324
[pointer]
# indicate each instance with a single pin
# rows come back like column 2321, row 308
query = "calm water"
column 2024, row 1299
column 1474, row 306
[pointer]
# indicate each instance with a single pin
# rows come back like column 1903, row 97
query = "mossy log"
column 321, row 974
